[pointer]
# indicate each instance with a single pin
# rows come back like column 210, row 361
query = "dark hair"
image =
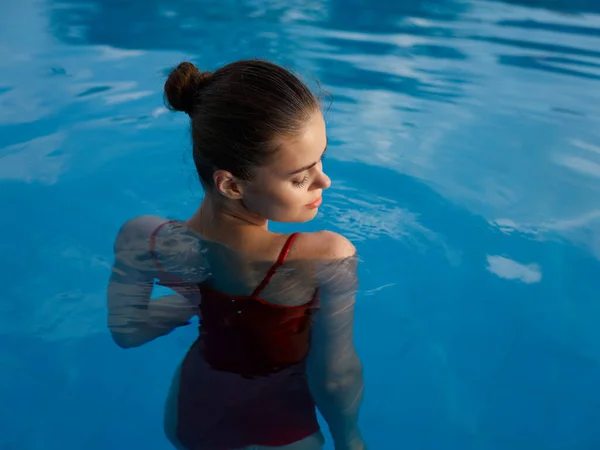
column 237, row 111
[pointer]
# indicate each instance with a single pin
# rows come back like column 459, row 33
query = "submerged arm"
column 133, row 318
column 334, row 368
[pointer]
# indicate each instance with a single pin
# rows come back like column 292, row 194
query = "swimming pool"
column 465, row 159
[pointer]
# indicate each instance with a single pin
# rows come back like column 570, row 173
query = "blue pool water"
column 465, row 158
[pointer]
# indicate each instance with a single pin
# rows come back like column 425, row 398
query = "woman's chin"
column 304, row 216
column 311, row 215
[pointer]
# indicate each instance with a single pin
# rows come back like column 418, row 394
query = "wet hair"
column 237, row 112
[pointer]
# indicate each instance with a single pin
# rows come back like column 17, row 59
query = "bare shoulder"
column 135, row 233
column 132, row 244
column 335, row 260
column 324, row 245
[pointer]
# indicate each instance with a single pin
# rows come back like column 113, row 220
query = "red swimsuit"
column 242, row 382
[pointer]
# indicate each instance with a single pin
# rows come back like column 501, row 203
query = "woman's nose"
column 323, row 181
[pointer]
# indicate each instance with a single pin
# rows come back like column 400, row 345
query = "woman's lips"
column 316, row 203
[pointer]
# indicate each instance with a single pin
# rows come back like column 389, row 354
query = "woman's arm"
column 334, row 368
column 134, row 319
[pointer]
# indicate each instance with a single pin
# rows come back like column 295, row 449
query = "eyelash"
column 302, row 183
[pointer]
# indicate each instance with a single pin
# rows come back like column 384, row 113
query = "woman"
column 276, row 311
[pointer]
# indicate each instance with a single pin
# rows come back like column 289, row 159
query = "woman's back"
column 242, row 330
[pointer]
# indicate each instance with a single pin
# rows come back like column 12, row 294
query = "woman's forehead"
column 303, row 149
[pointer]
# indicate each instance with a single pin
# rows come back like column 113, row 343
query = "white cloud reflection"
column 512, row 270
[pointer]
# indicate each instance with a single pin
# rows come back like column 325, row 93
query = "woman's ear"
column 228, row 185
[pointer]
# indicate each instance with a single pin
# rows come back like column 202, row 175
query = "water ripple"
column 465, row 156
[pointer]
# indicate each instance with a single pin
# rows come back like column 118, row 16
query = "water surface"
column 465, row 157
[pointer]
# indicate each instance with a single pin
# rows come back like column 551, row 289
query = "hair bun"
column 183, row 85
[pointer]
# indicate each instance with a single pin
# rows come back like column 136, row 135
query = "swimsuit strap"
column 153, row 243
column 280, row 260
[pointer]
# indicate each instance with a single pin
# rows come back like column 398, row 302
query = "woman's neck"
column 221, row 218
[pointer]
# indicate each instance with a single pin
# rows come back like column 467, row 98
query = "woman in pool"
column 276, row 310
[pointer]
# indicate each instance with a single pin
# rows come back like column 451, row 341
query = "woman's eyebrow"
column 309, row 166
